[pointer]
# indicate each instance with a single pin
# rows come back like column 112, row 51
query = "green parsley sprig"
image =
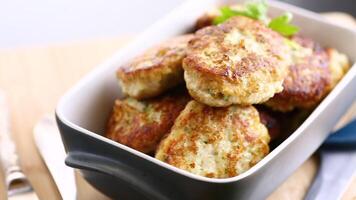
column 254, row 10
column 282, row 25
column 258, row 10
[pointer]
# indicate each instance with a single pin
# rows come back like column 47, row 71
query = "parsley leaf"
column 226, row 13
column 255, row 10
column 258, row 10
column 282, row 25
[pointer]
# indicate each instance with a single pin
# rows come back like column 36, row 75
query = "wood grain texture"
column 34, row 79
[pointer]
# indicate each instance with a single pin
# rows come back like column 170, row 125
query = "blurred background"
column 26, row 23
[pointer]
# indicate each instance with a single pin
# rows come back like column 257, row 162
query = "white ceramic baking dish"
column 120, row 171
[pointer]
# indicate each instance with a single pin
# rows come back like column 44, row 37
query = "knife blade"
column 337, row 165
column 17, row 184
column 49, row 143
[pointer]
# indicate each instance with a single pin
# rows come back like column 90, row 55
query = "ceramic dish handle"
column 16, row 181
column 92, row 162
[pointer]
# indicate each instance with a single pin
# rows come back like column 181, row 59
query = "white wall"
column 40, row 22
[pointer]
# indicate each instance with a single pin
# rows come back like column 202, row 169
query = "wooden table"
column 35, row 78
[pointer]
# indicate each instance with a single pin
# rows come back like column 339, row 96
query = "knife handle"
column 334, row 175
column 15, row 180
column 344, row 138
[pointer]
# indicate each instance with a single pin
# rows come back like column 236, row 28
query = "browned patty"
column 309, row 78
column 141, row 124
column 155, row 71
column 215, row 142
column 240, row 61
column 215, row 37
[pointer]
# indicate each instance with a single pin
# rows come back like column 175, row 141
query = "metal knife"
column 337, row 165
column 17, row 185
column 49, row 143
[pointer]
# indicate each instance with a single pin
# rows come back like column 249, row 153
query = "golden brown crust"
column 157, row 70
column 242, row 53
column 205, row 20
column 142, row 124
column 222, row 49
column 215, row 142
column 309, row 79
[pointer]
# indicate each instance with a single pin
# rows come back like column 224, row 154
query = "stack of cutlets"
column 191, row 100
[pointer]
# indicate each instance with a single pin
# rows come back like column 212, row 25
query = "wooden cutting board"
column 35, row 78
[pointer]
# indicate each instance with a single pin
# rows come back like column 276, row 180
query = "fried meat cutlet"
column 155, row 71
column 240, row 61
column 313, row 73
column 215, row 142
column 141, row 124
